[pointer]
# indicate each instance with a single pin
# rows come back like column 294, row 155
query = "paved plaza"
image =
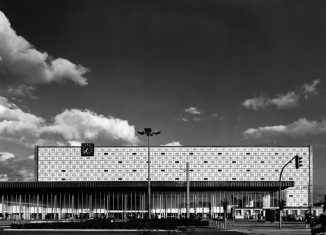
column 236, row 228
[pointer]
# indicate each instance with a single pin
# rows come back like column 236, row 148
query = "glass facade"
column 131, row 204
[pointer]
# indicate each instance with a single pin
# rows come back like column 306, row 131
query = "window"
column 162, row 170
column 247, row 170
column 63, row 179
column 63, row 170
column 219, row 170
column 119, row 178
column 119, row 161
column 191, row 153
column 106, row 154
column 205, row 161
column 247, row 153
column 134, row 170
column 219, row 153
column 276, row 153
column 191, row 170
column 205, row 178
column 290, row 195
column 234, row 178
column 176, row 178
column 290, row 178
column 262, row 178
column 234, row 161
column 176, row 161
column 162, row 153
column 134, row 153
column 106, row 170
column 262, row 162
column 276, row 170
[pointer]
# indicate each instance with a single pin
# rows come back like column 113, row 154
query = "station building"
column 112, row 182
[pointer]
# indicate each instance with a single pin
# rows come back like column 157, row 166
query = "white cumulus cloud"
column 76, row 125
column 193, row 111
column 299, row 128
column 21, row 63
column 281, row 101
column 191, row 114
column 256, row 103
column 4, row 156
column 74, row 143
column 290, row 99
column 70, row 126
column 173, row 143
column 31, row 157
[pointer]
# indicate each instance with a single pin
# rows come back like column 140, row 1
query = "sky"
column 206, row 73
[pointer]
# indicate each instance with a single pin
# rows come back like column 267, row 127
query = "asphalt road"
column 96, row 232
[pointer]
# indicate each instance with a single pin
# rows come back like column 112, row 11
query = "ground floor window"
column 72, row 204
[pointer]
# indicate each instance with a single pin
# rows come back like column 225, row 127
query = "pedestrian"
column 322, row 222
column 307, row 219
column 259, row 217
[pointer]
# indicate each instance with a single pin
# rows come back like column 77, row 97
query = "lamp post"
column 149, row 132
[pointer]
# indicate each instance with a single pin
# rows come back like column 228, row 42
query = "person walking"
column 307, row 219
column 322, row 222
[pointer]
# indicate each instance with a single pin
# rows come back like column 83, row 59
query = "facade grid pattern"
column 169, row 163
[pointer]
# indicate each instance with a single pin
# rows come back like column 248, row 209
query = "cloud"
column 299, row 128
column 196, row 119
column 13, row 169
column 192, row 111
column 283, row 101
column 192, row 114
column 26, row 174
column 22, row 64
column 217, row 116
column 173, row 143
column 31, row 157
column 4, row 156
column 70, row 126
column 256, row 103
column 4, row 177
column 74, row 143
column 22, row 91
column 184, row 119
column 309, row 90
column 288, row 100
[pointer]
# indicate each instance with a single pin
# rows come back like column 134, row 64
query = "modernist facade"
column 113, row 182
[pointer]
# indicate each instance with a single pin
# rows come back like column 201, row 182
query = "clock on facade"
column 87, row 149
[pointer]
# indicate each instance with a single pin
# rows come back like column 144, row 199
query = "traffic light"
column 282, row 204
column 298, row 162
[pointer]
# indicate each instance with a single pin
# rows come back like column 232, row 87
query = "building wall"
column 169, row 163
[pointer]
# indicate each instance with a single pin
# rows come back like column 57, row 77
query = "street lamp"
column 149, row 132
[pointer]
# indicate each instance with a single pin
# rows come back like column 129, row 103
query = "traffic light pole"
column 188, row 191
column 279, row 193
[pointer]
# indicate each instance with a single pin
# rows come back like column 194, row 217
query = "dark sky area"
column 203, row 72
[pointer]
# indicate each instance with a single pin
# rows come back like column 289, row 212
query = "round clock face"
column 87, row 149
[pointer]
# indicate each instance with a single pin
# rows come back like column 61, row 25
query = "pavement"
column 236, row 228
column 198, row 231
column 255, row 228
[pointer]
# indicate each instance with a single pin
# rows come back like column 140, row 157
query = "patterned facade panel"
column 169, row 164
